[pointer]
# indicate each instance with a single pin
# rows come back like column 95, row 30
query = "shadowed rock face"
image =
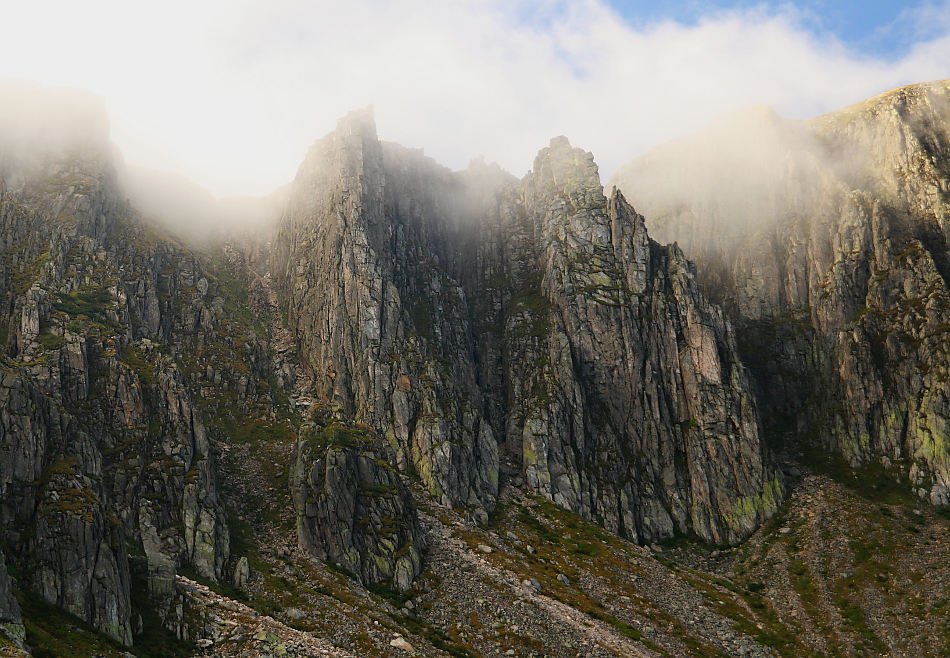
column 362, row 259
column 352, row 506
column 827, row 241
column 105, row 454
column 458, row 312
column 625, row 399
column 11, row 623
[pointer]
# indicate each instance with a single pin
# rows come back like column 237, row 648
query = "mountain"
column 459, row 413
column 572, row 341
column 827, row 242
column 110, row 477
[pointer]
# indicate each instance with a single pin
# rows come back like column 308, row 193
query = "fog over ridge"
column 231, row 94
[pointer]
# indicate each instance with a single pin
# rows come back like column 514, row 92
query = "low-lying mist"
column 730, row 178
column 749, row 171
column 192, row 212
column 38, row 122
column 42, row 125
column 743, row 173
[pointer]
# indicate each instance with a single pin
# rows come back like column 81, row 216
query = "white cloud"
column 231, row 93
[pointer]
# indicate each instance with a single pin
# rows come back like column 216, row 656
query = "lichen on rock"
column 353, row 508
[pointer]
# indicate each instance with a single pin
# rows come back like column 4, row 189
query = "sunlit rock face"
column 826, row 241
column 466, row 315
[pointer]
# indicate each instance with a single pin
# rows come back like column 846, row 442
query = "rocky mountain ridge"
column 623, row 398
column 415, row 358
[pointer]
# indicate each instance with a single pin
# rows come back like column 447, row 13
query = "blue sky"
column 873, row 28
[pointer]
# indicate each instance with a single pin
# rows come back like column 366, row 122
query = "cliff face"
column 455, row 330
column 625, row 401
column 108, row 481
column 458, row 312
column 106, row 454
column 382, row 325
column 11, row 621
column 353, row 507
column 826, row 240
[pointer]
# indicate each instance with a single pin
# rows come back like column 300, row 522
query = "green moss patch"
column 89, row 303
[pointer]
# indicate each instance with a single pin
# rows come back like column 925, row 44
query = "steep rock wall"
column 625, row 399
column 827, row 241
column 462, row 315
column 360, row 258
